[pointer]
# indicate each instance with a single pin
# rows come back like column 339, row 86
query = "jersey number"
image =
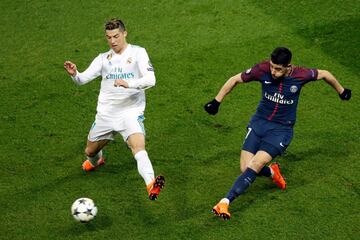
column 247, row 134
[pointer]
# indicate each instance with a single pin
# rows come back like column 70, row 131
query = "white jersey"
column 133, row 66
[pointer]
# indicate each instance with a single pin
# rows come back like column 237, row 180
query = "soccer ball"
column 83, row 210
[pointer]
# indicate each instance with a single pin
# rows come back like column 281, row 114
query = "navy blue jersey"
column 279, row 96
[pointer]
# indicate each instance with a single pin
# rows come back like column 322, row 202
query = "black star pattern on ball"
column 76, row 212
column 88, row 212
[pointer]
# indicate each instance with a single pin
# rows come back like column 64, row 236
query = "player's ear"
column 125, row 33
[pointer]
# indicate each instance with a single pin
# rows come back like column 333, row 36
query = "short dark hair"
column 281, row 55
column 115, row 23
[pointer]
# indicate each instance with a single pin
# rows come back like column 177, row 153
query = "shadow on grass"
column 99, row 223
column 338, row 39
column 337, row 36
column 326, row 150
column 75, row 176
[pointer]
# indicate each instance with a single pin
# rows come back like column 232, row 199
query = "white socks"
column 144, row 166
column 94, row 159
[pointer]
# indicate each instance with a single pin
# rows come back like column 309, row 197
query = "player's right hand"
column 212, row 107
column 346, row 94
column 70, row 68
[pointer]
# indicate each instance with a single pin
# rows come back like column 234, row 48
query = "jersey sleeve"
column 252, row 74
column 92, row 72
column 146, row 70
column 307, row 74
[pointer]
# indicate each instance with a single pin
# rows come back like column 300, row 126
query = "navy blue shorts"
column 267, row 136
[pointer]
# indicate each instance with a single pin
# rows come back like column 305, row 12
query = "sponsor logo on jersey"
column 117, row 73
column 278, row 98
column 293, row 89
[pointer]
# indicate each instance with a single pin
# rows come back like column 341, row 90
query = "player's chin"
column 276, row 77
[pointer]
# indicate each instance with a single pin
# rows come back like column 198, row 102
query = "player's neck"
column 289, row 72
column 121, row 50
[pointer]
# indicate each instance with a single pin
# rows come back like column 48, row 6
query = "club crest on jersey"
column 129, row 60
column 108, row 57
column 293, row 89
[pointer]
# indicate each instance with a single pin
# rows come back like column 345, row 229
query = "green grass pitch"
column 195, row 46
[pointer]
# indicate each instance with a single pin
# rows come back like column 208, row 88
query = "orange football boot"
column 221, row 210
column 87, row 165
column 155, row 187
column 277, row 178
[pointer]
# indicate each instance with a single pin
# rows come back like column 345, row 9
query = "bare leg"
column 92, row 148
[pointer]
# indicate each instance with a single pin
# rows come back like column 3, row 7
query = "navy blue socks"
column 265, row 171
column 241, row 184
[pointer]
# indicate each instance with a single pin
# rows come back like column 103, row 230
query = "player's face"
column 277, row 70
column 116, row 39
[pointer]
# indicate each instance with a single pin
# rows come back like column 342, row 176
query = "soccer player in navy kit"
column 270, row 129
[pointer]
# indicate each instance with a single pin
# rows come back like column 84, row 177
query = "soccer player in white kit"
column 126, row 72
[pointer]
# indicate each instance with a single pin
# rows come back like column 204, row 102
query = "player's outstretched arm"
column 212, row 107
column 228, row 86
column 92, row 72
column 344, row 93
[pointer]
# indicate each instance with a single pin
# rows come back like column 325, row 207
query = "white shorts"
column 127, row 124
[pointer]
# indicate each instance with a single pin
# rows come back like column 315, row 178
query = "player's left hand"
column 121, row 83
column 346, row 94
column 212, row 107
